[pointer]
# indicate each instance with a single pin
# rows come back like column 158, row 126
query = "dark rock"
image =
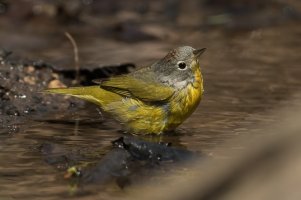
column 131, row 160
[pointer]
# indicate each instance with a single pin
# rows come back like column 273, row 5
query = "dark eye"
column 182, row 65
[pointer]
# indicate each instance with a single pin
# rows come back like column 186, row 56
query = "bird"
column 151, row 100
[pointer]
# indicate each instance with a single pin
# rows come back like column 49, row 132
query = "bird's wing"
column 135, row 87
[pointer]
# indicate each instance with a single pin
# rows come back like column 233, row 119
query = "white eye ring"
column 182, row 65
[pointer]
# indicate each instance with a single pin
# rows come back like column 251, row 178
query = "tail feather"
column 94, row 94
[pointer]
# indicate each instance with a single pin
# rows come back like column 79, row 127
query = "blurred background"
column 108, row 32
column 251, row 71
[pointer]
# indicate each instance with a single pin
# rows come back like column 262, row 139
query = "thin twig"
column 76, row 57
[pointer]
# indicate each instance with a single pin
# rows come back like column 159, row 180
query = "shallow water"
column 247, row 75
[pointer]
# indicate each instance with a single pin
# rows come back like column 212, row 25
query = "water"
column 247, row 74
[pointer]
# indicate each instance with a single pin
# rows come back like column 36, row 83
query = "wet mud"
column 22, row 84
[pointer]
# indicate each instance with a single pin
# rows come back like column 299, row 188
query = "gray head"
column 178, row 66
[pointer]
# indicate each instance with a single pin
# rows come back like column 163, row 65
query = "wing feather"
column 135, row 87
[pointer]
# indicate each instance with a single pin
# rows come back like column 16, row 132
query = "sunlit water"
column 247, row 75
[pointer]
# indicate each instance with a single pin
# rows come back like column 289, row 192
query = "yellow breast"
column 186, row 101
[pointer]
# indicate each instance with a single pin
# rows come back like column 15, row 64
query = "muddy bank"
column 22, row 84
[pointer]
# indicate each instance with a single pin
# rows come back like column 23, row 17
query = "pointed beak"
column 198, row 52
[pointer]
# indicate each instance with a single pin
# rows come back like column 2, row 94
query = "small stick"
column 76, row 57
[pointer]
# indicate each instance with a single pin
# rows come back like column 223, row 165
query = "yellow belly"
column 138, row 117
